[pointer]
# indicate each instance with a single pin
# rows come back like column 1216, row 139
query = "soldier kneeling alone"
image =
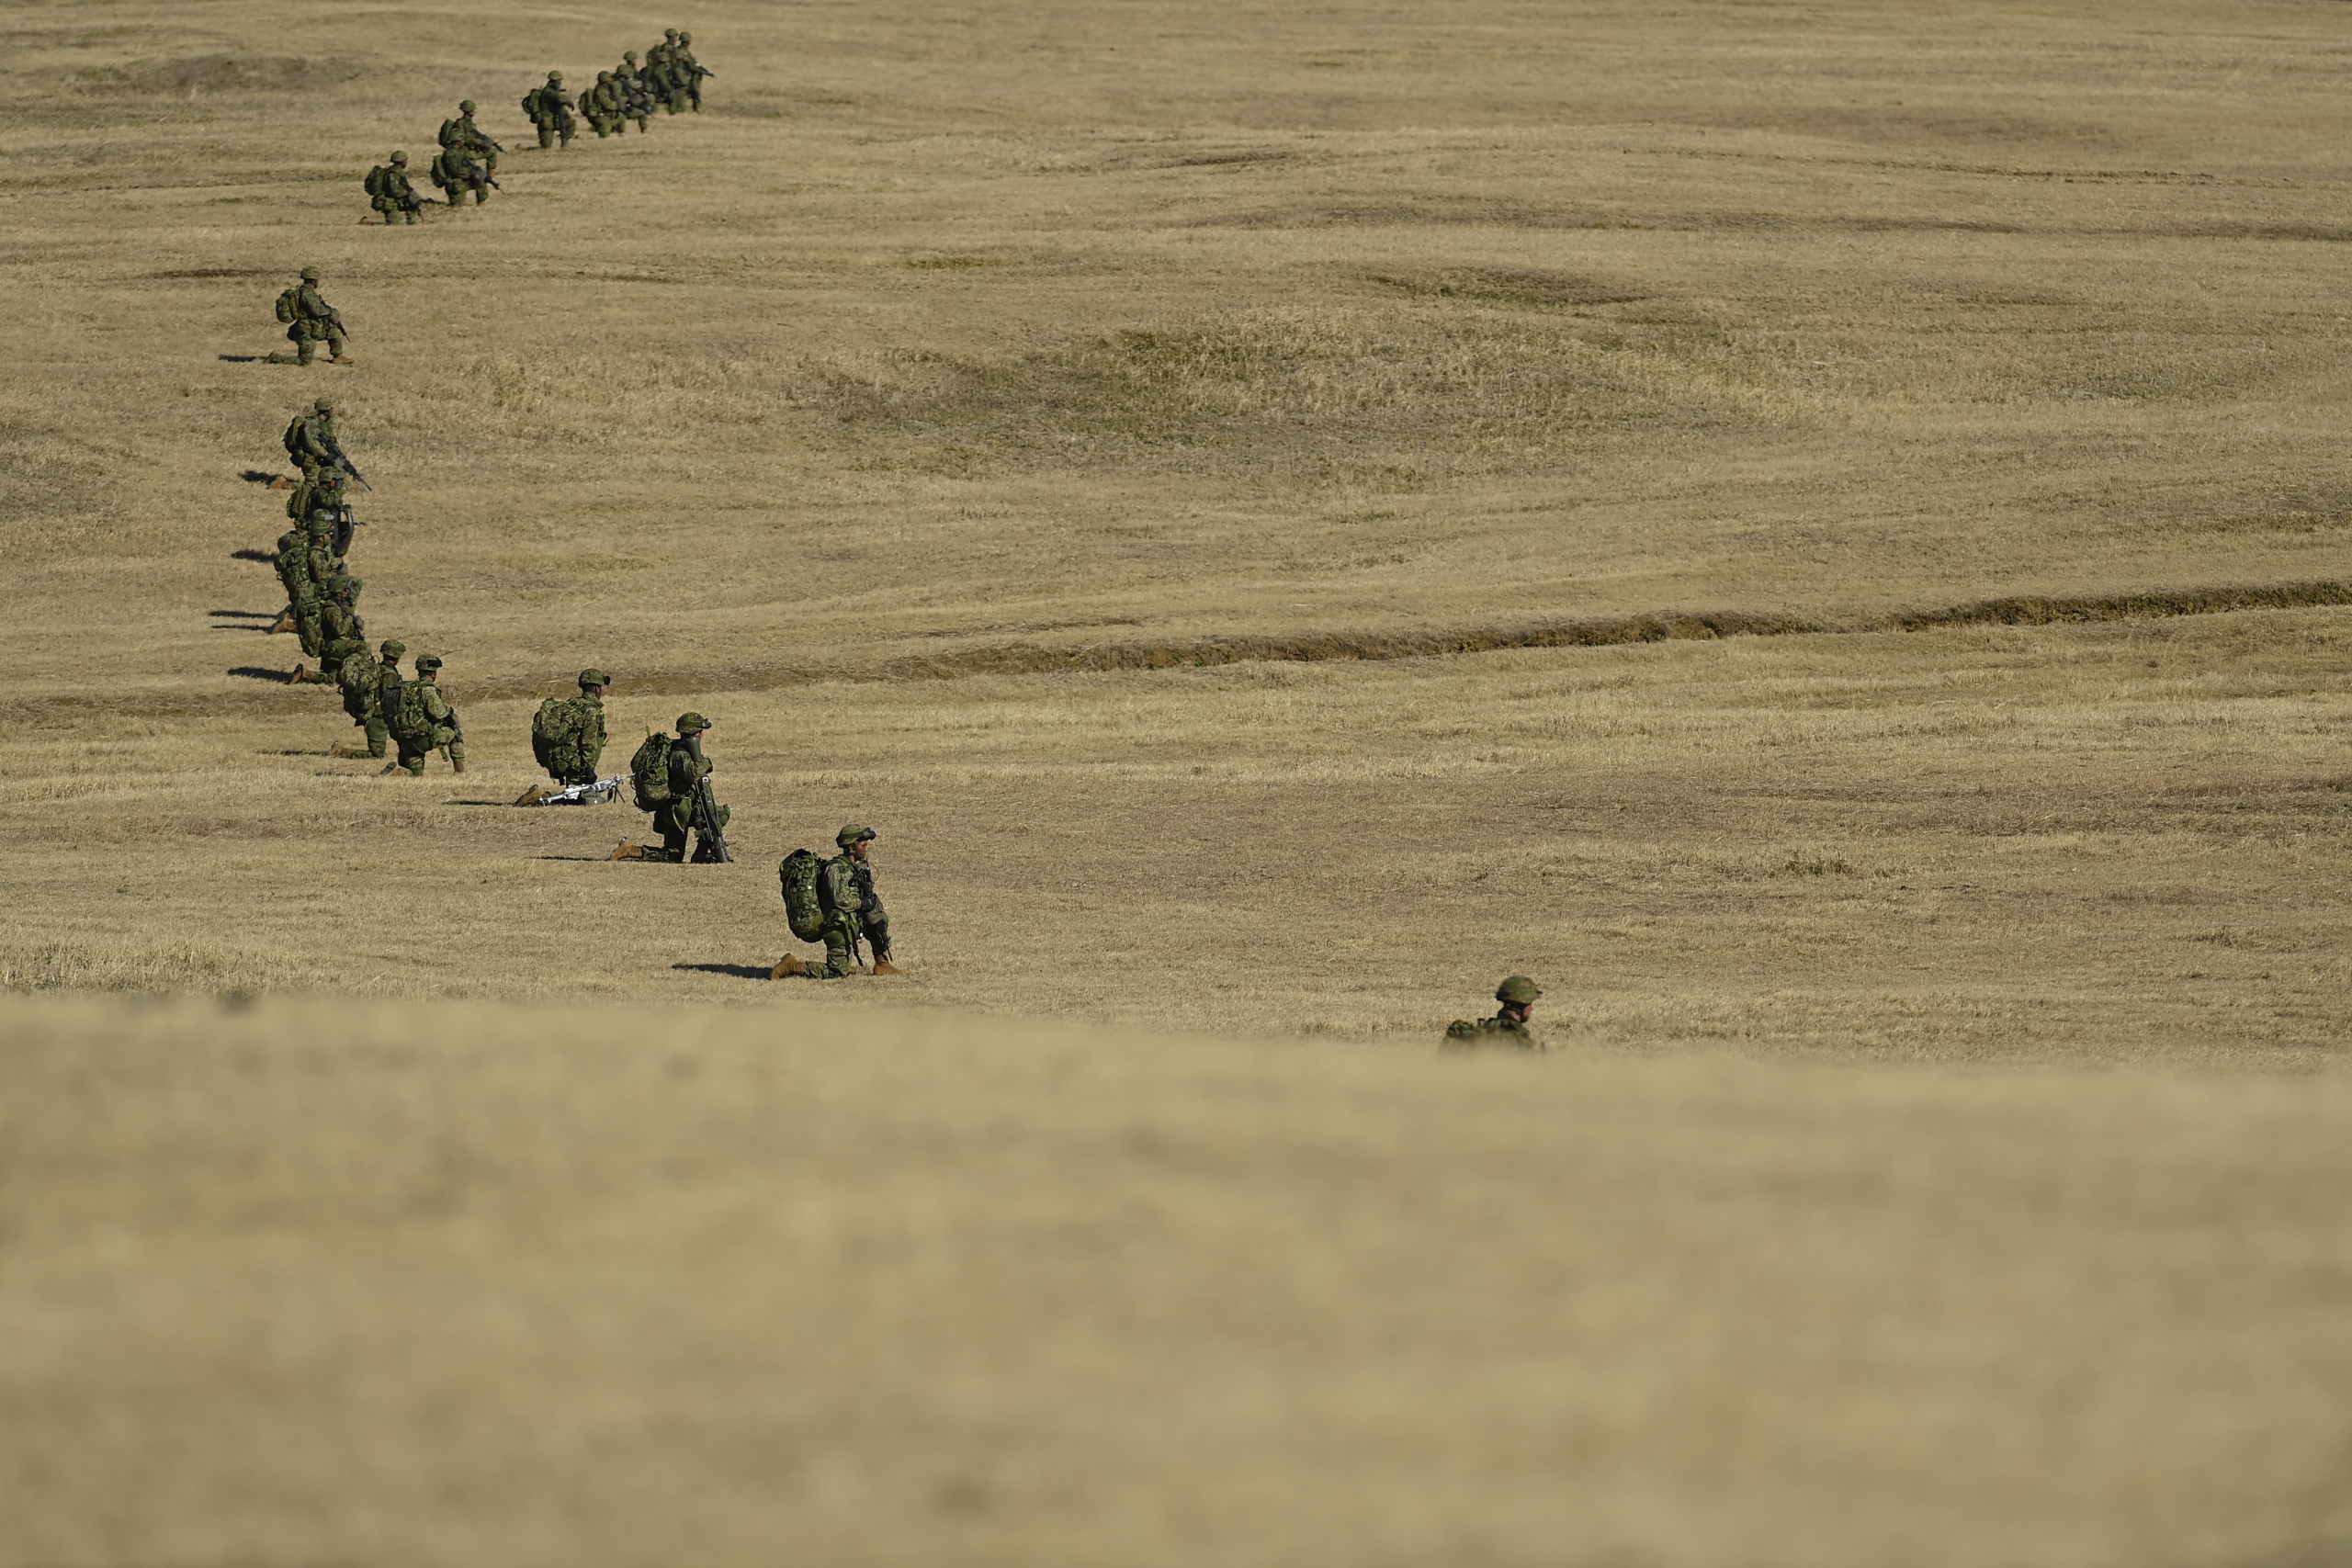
column 833, row 901
column 1508, row 1027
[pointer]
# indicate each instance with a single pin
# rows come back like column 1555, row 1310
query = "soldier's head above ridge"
column 685, row 38
column 555, row 76
column 425, row 661
column 855, row 833
column 400, row 157
column 692, row 724
column 629, row 56
column 670, row 33
column 324, row 405
column 392, row 648
column 595, row 678
column 310, row 275
column 604, row 75
column 467, row 106
column 1519, row 990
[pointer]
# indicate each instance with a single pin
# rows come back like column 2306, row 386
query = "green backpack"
column 408, row 719
column 649, row 771
column 286, row 300
column 358, row 684
column 559, row 737
column 803, row 876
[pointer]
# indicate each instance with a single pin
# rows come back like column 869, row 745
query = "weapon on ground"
column 590, row 794
column 706, row 819
column 334, row 450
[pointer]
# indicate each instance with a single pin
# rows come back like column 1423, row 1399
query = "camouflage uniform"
column 389, row 192
column 463, row 132
column 688, row 768
column 602, row 105
column 587, row 713
column 853, row 913
column 549, row 107
column 441, row 725
column 341, row 634
column 310, row 439
column 315, row 322
column 320, row 490
column 686, row 72
column 1508, row 1027
column 657, row 69
column 637, row 93
column 293, row 564
column 364, row 687
column 457, row 170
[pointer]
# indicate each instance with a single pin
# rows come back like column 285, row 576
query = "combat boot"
column 882, row 965
column 285, row 622
column 626, row 851
column 345, row 749
column 534, row 795
column 302, row 676
column 788, row 968
column 389, row 768
column 342, row 359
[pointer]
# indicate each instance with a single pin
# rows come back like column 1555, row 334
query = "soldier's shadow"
column 255, row 673
column 733, row 971
column 243, row 358
column 252, row 554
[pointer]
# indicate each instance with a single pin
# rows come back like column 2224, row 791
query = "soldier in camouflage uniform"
column 292, row 562
column 310, row 439
column 582, row 720
column 313, row 322
column 320, row 490
column 1508, row 1027
column 363, row 688
column 637, row 93
column 601, row 105
column 463, row 132
column 437, row 725
column 550, row 109
column 682, row 814
column 457, row 170
column 341, row 634
column 686, row 72
column 853, row 913
column 389, row 192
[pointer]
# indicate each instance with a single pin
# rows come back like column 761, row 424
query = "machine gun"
column 594, row 793
column 714, row 840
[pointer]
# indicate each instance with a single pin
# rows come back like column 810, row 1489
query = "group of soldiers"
column 669, row 81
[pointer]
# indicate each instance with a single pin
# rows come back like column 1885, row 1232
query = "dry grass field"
column 1263, row 507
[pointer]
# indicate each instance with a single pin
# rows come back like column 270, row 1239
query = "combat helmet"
column 1519, row 989
column 685, row 38
column 428, row 661
column 399, row 157
column 594, row 678
column 393, row 648
column 856, row 832
column 310, row 275
column 670, row 32
column 466, row 107
column 324, row 405
column 629, row 56
column 692, row 724
column 555, row 76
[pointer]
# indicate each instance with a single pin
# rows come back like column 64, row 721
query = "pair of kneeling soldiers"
column 422, row 724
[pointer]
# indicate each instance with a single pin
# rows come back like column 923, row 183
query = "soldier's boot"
column 626, row 851
column 342, row 359
column 390, row 768
column 345, row 749
column 547, row 140
column 278, row 481
column 882, row 965
column 789, row 965
column 536, row 794
column 285, row 622
column 301, row 675
column 456, row 764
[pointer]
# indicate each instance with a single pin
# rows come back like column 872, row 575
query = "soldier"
column 463, row 132
column 600, row 108
column 390, row 193
column 365, row 686
column 637, row 93
column 341, row 632
column 568, row 735
column 1508, row 1027
column 421, row 721
column 457, row 170
column 682, row 812
column 550, row 109
column 686, row 72
column 320, row 490
column 293, row 564
column 310, row 441
column 312, row 321
column 854, row 912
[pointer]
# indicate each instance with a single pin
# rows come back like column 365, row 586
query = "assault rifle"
column 334, row 450
column 714, row 839
column 591, row 794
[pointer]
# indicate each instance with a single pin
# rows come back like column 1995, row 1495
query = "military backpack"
column 648, row 773
column 359, row 682
column 559, row 737
column 803, row 876
column 407, row 718
column 286, row 300
column 374, row 186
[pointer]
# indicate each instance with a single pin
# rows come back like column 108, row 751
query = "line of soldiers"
column 669, row 80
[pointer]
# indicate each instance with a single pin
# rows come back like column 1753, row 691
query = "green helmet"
column 629, row 55
column 321, row 521
column 669, row 32
column 692, row 724
column 428, row 661
column 343, row 588
column 352, row 585
column 324, row 405
column 393, row 648
column 1518, row 988
column 400, row 157
column 555, row 76
column 854, row 833
column 685, row 38
column 310, row 275
column 594, row 678
column 467, row 106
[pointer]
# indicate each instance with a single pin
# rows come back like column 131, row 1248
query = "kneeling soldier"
column 368, row 690
column 680, row 810
column 854, row 912
column 1508, row 1027
column 421, row 721
column 568, row 736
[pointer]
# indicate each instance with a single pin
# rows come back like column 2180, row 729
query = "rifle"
column 334, row 450
column 703, row 70
column 580, row 794
column 707, row 820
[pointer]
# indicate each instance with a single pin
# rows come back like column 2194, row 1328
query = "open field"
column 1264, row 507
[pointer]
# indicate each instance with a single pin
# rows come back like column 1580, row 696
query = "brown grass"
column 1340, row 453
